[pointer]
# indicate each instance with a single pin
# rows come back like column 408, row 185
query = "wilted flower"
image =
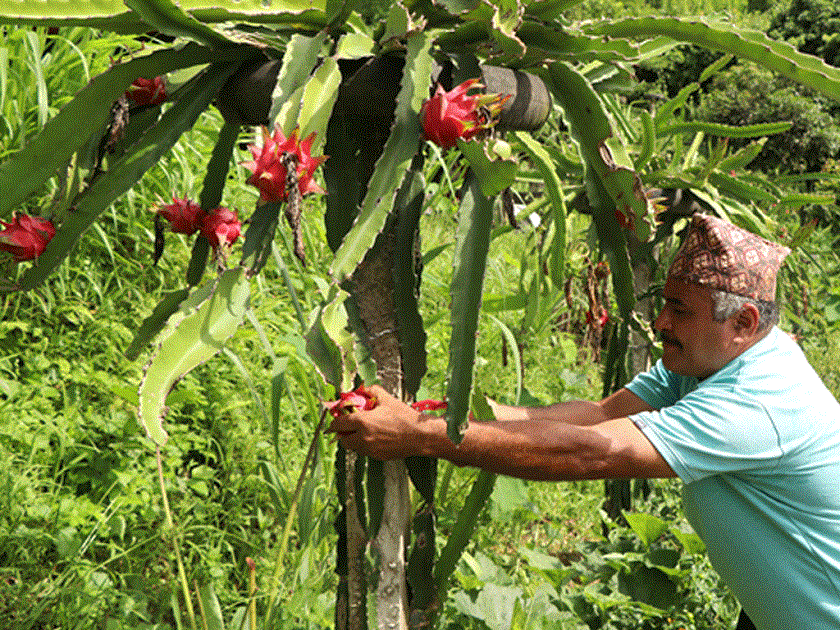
column 358, row 400
column 602, row 319
column 448, row 116
column 220, row 227
column 269, row 167
column 26, row 237
column 183, row 215
column 147, row 91
column 624, row 220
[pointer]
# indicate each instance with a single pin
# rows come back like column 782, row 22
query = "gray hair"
column 725, row 305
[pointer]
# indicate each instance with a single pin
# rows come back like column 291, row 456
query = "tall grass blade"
column 36, row 65
column 211, row 609
column 249, row 381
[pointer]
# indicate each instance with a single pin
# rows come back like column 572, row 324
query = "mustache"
column 667, row 338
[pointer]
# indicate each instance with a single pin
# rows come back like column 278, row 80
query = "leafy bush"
column 812, row 26
column 747, row 95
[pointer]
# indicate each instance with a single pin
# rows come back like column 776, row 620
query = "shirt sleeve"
column 712, row 432
column 658, row 387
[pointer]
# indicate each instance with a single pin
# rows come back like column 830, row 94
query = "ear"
column 746, row 322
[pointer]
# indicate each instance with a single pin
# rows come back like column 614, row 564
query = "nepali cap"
column 721, row 256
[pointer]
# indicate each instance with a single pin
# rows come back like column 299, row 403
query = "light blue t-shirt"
column 758, row 446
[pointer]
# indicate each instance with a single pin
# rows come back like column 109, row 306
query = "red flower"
column 183, row 215
column 448, row 116
column 220, row 227
column 270, row 171
column 26, row 237
column 147, row 91
column 428, row 405
column 348, row 402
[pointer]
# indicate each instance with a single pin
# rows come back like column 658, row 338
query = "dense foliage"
column 813, row 26
column 84, row 538
column 746, row 95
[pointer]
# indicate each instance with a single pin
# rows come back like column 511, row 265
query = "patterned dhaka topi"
column 722, row 256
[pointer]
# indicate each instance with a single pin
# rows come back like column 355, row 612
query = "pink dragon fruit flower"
column 26, row 237
column 220, row 227
column 448, row 116
column 269, row 169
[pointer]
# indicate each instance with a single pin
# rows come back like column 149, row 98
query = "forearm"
column 581, row 413
column 575, row 412
column 560, row 442
column 545, row 450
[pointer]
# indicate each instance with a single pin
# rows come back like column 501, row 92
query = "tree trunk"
column 374, row 292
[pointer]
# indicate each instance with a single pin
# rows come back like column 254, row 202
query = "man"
column 732, row 408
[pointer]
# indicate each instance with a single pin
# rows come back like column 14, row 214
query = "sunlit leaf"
column 205, row 321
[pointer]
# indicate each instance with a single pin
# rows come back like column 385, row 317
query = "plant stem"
column 170, row 525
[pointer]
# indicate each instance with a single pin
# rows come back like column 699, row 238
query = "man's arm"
column 621, row 404
column 543, row 448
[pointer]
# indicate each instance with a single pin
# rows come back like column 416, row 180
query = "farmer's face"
column 693, row 343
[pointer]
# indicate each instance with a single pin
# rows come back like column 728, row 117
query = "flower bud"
column 183, row 215
column 147, row 91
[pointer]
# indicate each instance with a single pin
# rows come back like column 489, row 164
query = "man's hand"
column 575, row 440
column 391, row 430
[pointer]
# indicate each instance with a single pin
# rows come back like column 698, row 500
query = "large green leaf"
column 407, row 208
column 319, row 96
column 86, row 115
column 218, row 167
column 299, row 59
column 400, row 148
column 554, row 191
column 726, row 131
column 462, row 531
column 128, row 170
column 112, row 14
column 470, row 259
column 167, row 17
column 778, row 56
column 260, row 235
column 647, row 526
column 327, row 344
column 493, row 175
column 155, row 322
column 196, row 333
column 603, row 151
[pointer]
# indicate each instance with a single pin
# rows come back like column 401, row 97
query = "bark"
column 374, row 290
